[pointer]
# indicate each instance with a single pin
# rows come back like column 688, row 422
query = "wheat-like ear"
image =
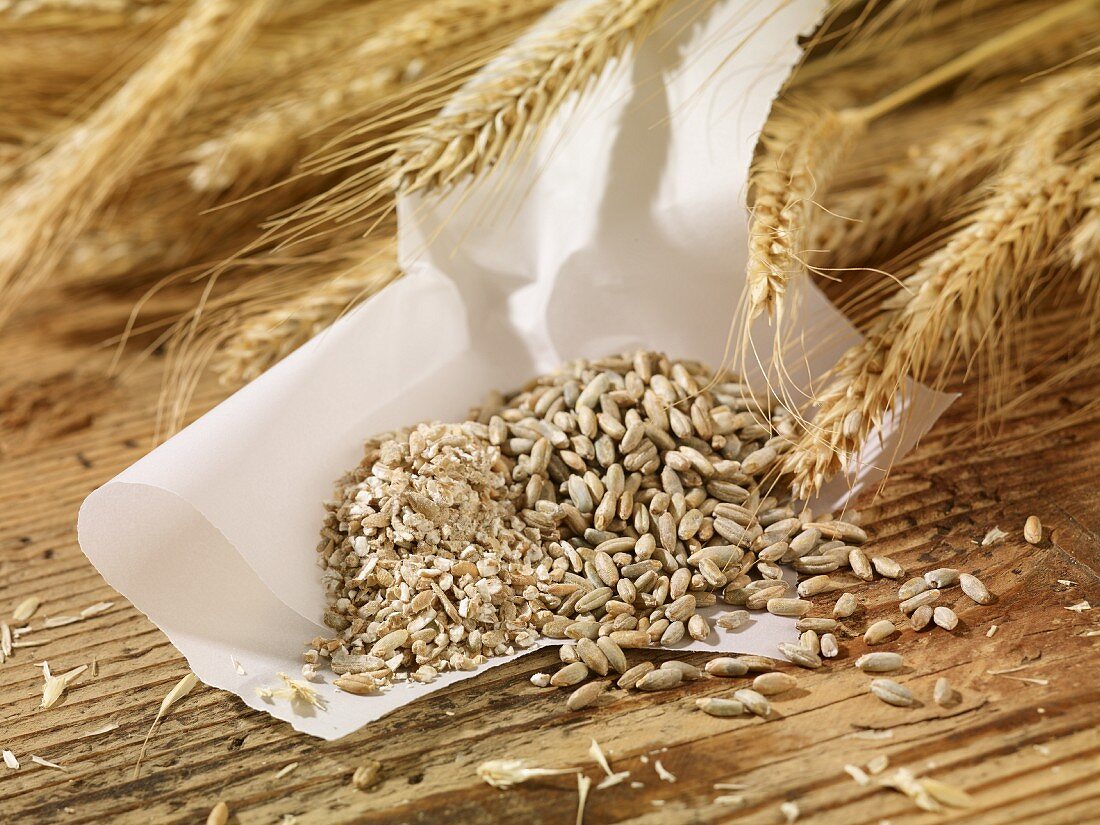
column 1081, row 252
column 860, row 224
column 955, row 303
column 455, row 132
column 261, row 146
column 264, row 317
column 798, row 153
column 257, row 343
column 60, row 190
column 495, row 117
column 793, row 167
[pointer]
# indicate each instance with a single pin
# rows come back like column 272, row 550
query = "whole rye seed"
column 1033, row 530
column 921, row 617
column 973, row 587
column 718, row 706
column 879, row 662
column 879, row 632
column 726, row 666
column 945, row 617
column 771, row 684
column 845, row 606
column 892, row 693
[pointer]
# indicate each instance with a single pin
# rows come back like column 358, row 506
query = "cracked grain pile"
column 615, row 496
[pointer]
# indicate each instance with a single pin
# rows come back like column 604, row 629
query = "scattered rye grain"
column 659, row 679
column 818, row 625
column 718, row 706
column 829, row 647
column 10, row 760
column 845, row 606
column 726, row 666
column 922, row 599
column 688, row 672
column 358, row 684
column 921, row 617
column 1033, row 530
column 943, row 694
column 733, row 620
column 774, row 683
column 945, row 617
column 942, row 577
column 879, row 632
column 630, row 677
column 892, row 693
column 586, row 695
column 219, row 815
column 789, row 607
column 911, row 588
column 879, row 662
column 569, row 675
column 593, row 657
column 973, row 587
column 947, row 794
column 800, row 655
column 613, row 653
column 887, row 567
column 754, row 702
column 860, row 564
column 540, row 680
column 758, row 664
column 25, row 609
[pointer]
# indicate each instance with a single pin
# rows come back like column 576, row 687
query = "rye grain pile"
column 611, row 498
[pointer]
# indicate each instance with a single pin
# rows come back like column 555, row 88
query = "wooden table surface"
column 1028, row 751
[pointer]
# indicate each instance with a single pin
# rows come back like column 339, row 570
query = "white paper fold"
column 625, row 228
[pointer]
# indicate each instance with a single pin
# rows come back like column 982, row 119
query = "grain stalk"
column 914, row 194
column 268, row 142
column 62, row 189
column 258, row 343
column 955, row 303
column 791, row 171
column 492, row 120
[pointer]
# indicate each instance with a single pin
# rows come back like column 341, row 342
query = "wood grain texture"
column 1027, row 752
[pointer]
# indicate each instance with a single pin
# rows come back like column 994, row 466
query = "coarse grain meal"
column 611, row 498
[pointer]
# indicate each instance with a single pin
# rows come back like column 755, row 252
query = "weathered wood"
column 1027, row 752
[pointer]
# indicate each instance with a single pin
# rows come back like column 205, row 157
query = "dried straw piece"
column 180, row 690
column 46, row 763
column 62, row 189
column 584, row 784
column 55, row 686
column 504, row 773
column 951, row 305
